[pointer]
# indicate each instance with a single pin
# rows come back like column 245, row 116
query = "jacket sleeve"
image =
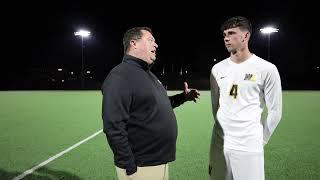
column 177, row 100
column 273, row 99
column 115, row 114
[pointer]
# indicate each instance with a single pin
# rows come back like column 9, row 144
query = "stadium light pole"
column 82, row 34
column 268, row 30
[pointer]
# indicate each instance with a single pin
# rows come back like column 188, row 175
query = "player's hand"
column 190, row 94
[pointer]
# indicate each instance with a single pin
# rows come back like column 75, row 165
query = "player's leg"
column 218, row 169
column 247, row 165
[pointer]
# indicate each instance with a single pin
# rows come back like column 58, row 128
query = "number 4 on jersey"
column 234, row 91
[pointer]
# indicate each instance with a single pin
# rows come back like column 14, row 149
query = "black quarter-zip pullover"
column 138, row 117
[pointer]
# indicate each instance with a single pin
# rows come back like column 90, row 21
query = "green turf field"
column 36, row 125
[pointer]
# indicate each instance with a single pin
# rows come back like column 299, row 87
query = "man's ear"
column 133, row 43
column 247, row 35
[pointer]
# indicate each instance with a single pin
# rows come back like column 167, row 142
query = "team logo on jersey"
column 250, row 77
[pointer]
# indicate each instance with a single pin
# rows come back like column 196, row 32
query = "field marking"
column 27, row 172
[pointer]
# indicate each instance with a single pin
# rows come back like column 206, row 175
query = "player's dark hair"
column 237, row 21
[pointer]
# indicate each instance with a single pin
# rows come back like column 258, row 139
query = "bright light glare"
column 269, row 30
column 82, row 33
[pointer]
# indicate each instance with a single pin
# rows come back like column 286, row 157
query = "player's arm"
column 273, row 98
column 215, row 94
column 217, row 134
column 115, row 114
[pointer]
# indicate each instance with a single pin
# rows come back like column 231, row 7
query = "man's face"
column 235, row 39
column 146, row 47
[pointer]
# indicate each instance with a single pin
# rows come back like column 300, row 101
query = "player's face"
column 146, row 47
column 235, row 39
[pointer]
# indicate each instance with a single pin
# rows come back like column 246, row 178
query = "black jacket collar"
column 136, row 61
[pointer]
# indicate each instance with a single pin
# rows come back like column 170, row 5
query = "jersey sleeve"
column 273, row 99
column 214, row 94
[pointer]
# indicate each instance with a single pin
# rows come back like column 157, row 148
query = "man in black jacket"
column 138, row 117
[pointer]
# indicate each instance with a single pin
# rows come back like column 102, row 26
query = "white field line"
column 27, row 172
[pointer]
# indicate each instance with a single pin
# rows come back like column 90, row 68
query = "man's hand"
column 190, row 94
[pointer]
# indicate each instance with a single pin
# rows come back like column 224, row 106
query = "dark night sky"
column 188, row 35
